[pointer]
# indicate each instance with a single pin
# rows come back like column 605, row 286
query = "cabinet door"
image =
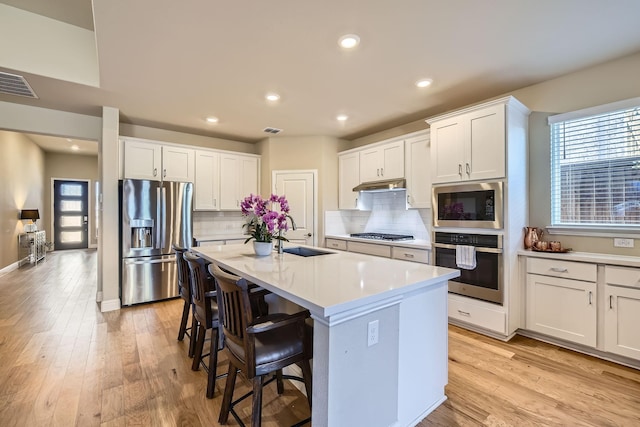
column 249, row 172
column 348, row 178
column 177, row 164
column 392, row 160
column 621, row 320
column 229, row 181
column 207, row 181
column 447, row 150
column 562, row 308
column 418, row 172
column 142, row 160
column 371, row 160
column 485, row 148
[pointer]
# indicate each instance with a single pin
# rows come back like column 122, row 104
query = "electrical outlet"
column 623, row 243
column 372, row 333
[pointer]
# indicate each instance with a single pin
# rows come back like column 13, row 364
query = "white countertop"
column 416, row 243
column 328, row 284
column 629, row 261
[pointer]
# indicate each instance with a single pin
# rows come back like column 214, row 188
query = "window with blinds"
column 595, row 166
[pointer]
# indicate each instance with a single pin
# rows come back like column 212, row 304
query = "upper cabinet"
column 471, row 144
column 157, row 162
column 348, row 178
column 417, row 171
column 385, row 161
column 239, row 177
column 207, row 183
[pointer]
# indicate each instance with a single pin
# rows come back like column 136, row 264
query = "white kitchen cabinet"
column 478, row 313
column 369, row 249
column 622, row 311
column 348, row 178
column 418, row 170
column 340, row 245
column 471, row 144
column 207, row 181
column 410, row 254
column 561, row 299
column 239, row 177
column 385, row 161
column 158, row 162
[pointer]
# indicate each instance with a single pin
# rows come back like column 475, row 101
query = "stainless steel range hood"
column 386, row 185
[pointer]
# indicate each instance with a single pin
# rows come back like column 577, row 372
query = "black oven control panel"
column 481, row 240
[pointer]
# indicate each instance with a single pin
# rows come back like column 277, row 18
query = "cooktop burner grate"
column 382, row 236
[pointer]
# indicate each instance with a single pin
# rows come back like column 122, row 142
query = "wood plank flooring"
column 63, row 363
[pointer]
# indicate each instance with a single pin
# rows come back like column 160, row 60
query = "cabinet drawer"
column 408, row 254
column 622, row 276
column 566, row 269
column 370, row 249
column 340, row 245
column 483, row 317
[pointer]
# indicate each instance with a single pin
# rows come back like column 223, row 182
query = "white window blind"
column 595, row 166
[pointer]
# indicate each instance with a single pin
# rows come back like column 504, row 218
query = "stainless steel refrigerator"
column 155, row 215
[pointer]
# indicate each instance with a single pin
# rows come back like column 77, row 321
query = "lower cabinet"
column 386, row 251
column 478, row 313
column 622, row 311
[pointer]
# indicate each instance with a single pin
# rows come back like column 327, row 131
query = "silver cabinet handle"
column 408, row 202
column 460, row 169
column 215, row 203
column 356, row 205
column 164, row 173
column 559, row 270
column 381, row 171
column 590, row 294
column 611, row 301
column 378, row 172
column 468, row 169
column 408, row 256
column 464, row 313
column 155, row 171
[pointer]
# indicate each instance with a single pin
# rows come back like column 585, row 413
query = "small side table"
column 32, row 246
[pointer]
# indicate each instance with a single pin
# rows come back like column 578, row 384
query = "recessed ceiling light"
column 212, row 119
column 74, row 147
column 349, row 41
column 424, row 82
column 342, row 117
column 272, row 97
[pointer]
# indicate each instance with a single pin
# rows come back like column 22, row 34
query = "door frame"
column 314, row 172
column 89, row 208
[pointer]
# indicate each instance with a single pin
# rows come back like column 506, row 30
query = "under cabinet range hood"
column 386, row 185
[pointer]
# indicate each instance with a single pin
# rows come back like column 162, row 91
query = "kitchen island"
column 396, row 381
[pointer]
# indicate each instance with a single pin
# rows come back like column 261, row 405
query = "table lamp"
column 31, row 214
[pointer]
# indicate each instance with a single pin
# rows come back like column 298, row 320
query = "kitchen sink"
column 305, row 252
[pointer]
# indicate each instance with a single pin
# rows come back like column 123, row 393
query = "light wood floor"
column 62, row 362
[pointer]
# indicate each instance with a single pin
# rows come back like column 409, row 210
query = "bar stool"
column 258, row 346
column 184, row 286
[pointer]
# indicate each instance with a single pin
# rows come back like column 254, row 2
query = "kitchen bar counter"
column 397, row 381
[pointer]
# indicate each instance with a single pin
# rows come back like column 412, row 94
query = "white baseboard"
column 110, row 305
column 10, row 268
column 99, row 296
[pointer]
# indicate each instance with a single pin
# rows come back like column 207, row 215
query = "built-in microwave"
column 472, row 205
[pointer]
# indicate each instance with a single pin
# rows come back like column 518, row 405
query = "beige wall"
column 21, row 187
column 71, row 166
column 304, row 153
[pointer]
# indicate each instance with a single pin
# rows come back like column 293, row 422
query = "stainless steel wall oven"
column 475, row 205
column 485, row 282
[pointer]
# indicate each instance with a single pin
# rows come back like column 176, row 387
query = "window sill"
column 594, row 231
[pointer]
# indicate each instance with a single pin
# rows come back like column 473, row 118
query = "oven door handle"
column 478, row 249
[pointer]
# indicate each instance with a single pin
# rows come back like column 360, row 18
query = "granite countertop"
column 629, row 261
column 311, row 281
column 415, row 244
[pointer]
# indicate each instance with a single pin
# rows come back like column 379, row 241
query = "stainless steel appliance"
column 484, row 282
column 477, row 205
column 155, row 215
column 382, row 236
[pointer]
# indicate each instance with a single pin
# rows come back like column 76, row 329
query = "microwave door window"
column 466, row 206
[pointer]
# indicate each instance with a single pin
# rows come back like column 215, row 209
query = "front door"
column 70, row 214
column 299, row 188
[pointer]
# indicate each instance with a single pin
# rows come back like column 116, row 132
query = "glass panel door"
column 70, row 214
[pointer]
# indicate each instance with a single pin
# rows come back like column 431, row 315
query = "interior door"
column 300, row 190
column 70, row 214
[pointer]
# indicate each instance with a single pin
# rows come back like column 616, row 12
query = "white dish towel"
column 466, row 257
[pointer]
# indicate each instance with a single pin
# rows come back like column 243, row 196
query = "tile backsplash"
column 388, row 215
column 217, row 223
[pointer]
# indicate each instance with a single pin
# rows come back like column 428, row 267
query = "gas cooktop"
column 382, row 236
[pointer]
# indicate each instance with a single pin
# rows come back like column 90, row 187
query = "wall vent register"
column 382, row 236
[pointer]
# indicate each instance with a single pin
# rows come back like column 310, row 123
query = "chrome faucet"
column 281, row 239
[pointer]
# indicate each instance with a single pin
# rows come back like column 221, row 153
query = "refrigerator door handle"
column 158, row 223
column 164, row 217
column 150, row 261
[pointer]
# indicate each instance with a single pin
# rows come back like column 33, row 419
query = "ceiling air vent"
column 12, row 84
column 272, row 130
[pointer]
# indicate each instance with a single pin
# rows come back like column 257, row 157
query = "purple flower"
column 265, row 222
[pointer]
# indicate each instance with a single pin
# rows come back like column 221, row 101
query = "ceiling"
column 170, row 64
column 53, row 144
